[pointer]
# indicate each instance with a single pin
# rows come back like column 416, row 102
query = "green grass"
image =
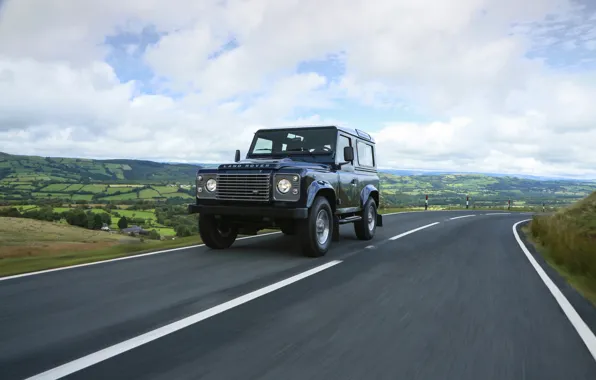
column 567, row 240
column 17, row 265
column 96, row 189
column 148, row 194
column 118, row 189
column 166, row 189
column 137, row 214
column 55, row 187
column 30, row 245
column 120, row 197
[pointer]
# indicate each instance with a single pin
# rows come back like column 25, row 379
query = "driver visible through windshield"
column 286, row 142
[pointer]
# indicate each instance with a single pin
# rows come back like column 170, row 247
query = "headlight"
column 284, row 186
column 211, row 185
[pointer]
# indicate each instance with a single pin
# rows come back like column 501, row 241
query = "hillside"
column 567, row 239
column 29, row 245
column 31, row 179
column 16, row 168
column 482, row 189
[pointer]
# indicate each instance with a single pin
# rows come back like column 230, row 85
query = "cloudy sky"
column 470, row 85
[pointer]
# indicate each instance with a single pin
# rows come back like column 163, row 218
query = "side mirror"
column 348, row 154
column 237, row 156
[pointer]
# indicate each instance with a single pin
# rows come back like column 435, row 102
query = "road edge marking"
column 129, row 344
column 412, row 231
column 133, row 256
column 578, row 323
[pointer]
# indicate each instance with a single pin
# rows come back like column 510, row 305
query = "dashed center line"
column 117, row 349
column 459, row 217
column 412, row 231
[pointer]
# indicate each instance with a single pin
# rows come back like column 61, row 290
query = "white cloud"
column 476, row 67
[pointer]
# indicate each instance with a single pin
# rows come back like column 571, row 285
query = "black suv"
column 305, row 181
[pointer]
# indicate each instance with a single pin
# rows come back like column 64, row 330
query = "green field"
column 35, row 179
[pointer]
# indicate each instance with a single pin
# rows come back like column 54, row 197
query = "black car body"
column 288, row 176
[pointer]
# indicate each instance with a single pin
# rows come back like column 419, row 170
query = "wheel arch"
column 369, row 191
column 323, row 188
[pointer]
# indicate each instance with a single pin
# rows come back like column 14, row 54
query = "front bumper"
column 271, row 212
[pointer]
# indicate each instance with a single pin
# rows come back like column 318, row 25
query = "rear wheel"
column 216, row 234
column 365, row 229
column 316, row 231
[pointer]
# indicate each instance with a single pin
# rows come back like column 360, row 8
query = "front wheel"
column 216, row 234
column 365, row 229
column 316, row 231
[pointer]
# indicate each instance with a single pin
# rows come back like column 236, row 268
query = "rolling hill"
column 30, row 179
column 17, row 168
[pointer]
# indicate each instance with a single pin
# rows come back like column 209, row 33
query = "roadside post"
column 426, row 202
column 467, row 201
column 509, row 204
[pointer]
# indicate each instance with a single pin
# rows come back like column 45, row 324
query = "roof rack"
column 363, row 134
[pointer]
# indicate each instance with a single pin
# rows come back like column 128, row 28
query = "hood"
column 259, row 164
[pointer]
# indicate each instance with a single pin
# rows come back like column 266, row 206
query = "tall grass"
column 568, row 240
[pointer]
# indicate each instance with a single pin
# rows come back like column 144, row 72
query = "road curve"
column 434, row 295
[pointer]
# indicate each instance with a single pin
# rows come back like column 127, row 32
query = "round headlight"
column 211, row 185
column 284, row 186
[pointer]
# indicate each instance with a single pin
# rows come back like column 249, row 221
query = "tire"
column 215, row 234
column 318, row 225
column 365, row 229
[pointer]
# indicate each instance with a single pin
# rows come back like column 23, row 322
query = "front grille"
column 243, row 187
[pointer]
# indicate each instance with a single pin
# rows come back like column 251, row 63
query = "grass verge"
column 567, row 241
column 28, row 245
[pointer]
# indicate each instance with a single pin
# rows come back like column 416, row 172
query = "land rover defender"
column 305, row 181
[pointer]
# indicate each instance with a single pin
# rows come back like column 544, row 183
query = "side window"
column 341, row 143
column 365, row 154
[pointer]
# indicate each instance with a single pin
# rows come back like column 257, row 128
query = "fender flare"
column 366, row 192
column 314, row 188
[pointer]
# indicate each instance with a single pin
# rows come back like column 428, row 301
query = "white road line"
column 412, row 231
column 498, row 213
column 132, row 256
column 459, row 217
column 580, row 326
column 106, row 353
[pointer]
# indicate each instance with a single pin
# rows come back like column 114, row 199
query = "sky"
column 465, row 85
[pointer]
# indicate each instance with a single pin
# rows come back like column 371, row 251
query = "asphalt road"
column 457, row 299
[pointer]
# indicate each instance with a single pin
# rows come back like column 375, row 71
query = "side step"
column 350, row 219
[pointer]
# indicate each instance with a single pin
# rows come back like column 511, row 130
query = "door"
column 365, row 166
column 348, row 179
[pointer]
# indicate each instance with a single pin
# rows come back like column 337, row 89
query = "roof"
column 354, row 132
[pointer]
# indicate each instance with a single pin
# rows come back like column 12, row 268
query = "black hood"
column 259, row 164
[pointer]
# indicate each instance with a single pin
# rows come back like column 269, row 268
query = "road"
column 456, row 299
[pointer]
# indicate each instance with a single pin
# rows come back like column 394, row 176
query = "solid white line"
column 106, row 353
column 459, row 217
column 498, row 213
column 412, row 231
column 132, row 256
column 580, row 326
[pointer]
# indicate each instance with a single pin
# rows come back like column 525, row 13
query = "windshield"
column 319, row 141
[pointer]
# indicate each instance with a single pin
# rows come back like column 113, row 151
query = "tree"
column 123, row 223
column 97, row 222
column 182, row 230
column 153, row 234
column 106, row 218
